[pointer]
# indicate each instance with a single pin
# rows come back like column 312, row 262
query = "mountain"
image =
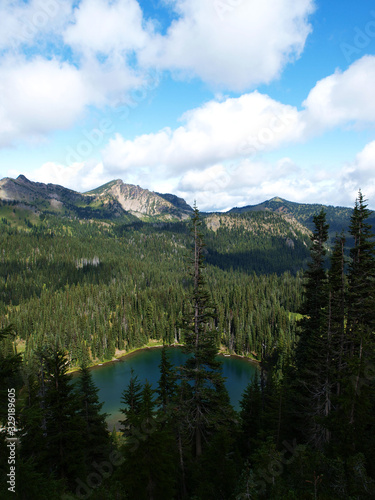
column 127, row 203
column 29, row 200
column 114, row 200
column 257, row 241
column 338, row 218
column 141, row 202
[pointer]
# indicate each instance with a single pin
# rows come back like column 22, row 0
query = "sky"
column 223, row 102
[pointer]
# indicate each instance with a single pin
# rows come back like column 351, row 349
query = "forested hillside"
column 75, row 292
column 96, row 287
column 338, row 218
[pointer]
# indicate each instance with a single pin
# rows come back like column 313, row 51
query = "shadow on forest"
column 258, row 261
column 21, row 284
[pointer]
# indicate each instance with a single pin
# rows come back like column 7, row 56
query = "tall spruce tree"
column 9, row 368
column 206, row 402
column 53, row 431
column 314, row 385
column 148, row 472
column 360, row 328
column 167, row 385
column 96, row 437
column 131, row 398
column 337, row 352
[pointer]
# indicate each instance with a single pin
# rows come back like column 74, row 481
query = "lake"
column 112, row 378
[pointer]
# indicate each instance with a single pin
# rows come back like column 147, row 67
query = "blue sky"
column 226, row 102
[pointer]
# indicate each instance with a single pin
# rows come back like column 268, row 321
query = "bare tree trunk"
column 182, row 465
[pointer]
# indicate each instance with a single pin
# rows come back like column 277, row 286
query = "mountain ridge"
column 116, row 200
column 113, row 199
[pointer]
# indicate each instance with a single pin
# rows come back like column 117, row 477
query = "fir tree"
column 95, row 435
column 206, row 401
column 53, row 435
column 313, row 386
column 148, row 472
column 359, row 395
column 167, row 385
column 131, row 398
column 9, row 369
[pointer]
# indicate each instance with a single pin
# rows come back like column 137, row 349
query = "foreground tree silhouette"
column 359, row 391
column 205, row 402
column 97, row 444
column 313, row 387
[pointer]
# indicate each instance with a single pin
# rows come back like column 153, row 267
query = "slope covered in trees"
column 76, row 292
column 94, row 288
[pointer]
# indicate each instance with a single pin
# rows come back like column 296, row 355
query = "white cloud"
column 78, row 176
column 223, row 131
column 38, row 96
column 342, row 98
column 233, row 44
column 102, row 27
column 25, row 23
column 360, row 174
column 40, row 93
column 217, row 131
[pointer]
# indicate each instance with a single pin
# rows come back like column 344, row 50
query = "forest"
column 77, row 292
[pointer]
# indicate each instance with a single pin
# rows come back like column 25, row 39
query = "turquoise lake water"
column 112, row 378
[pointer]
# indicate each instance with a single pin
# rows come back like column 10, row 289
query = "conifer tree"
column 250, row 416
column 9, row 368
column 167, row 386
column 54, row 434
column 206, row 401
column 337, row 310
column 313, row 387
column 95, row 435
column 360, row 391
column 148, row 472
column 131, row 398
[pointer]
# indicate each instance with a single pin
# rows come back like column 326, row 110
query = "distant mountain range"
column 112, row 200
column 337, row 217
column 128, row 203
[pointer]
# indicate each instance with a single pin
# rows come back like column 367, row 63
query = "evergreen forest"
column 75, row 292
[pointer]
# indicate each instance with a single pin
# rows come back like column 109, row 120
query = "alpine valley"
column 87, row 278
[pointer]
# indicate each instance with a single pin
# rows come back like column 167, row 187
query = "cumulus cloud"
column 360, row 174
column 93, row 53
column 80, row 177
column 246, row 182
column 38, row 96
column 236, row 45
column 25, row 23
column 344, row 97
column 230, row 129
column 217, row 131
column 45, row 90
column 102, row 27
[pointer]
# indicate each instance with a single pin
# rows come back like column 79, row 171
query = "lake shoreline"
column 122, row 357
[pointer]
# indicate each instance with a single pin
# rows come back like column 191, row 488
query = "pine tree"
column 250, row 416
column 360, row 391
column 336, row 352
column 131, row 398
column 314, row 347
column 337, row 310
column 148, row 472
column 10, row 364
column 95, row 435
column 54, row 434
column 167, row 385
column 206, row 401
